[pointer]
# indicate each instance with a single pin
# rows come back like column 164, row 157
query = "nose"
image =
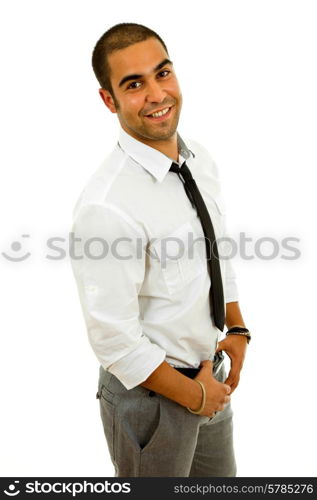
column 155, row 92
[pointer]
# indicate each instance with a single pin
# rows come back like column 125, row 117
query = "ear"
column 108, row 100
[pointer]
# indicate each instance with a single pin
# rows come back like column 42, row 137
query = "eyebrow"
column 136, row 77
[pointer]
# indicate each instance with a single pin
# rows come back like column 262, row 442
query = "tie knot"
column 183, row 170
column 174, row 168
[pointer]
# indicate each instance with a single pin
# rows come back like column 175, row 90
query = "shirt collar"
column 155, row 162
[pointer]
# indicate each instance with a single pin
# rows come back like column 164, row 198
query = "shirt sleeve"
column 108, row 262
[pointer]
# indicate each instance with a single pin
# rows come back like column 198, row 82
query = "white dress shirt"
column 140, row 260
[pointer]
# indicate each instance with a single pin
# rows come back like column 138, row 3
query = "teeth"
column 160, row 113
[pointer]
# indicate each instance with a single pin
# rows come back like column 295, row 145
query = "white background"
column 247, row 70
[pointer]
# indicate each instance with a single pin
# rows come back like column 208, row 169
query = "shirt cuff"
column 135, row 367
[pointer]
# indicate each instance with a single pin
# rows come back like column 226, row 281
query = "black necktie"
column 216, row 290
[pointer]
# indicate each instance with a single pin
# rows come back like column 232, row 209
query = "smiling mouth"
column 163, row 113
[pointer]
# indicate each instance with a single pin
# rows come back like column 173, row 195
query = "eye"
column 164, row 73
column 134, row 85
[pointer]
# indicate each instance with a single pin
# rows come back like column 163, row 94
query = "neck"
column 167, row 146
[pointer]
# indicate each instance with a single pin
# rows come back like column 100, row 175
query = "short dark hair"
column 118, row 37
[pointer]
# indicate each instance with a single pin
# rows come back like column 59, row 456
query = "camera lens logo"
column 12, row 490
column 16, row 247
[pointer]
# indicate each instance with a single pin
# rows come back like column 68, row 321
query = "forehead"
column 140, row 58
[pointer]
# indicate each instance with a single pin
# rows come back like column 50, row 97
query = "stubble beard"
column 156, row 132
column 161, row 131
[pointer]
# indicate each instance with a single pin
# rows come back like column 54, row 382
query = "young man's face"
column 143, row 83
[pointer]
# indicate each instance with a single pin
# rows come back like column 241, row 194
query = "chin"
column 161, row 135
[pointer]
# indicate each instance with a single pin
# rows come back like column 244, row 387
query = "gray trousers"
column 149, row 435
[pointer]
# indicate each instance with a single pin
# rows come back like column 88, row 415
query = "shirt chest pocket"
column 179, row 256
column 220, row 204
column 217, row 211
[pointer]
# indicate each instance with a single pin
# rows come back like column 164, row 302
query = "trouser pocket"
column 107, row 413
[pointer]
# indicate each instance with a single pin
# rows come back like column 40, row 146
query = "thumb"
column 220, row 346
column 206, row 364
column 228, row 388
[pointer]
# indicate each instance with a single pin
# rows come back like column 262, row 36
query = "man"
column 153, row 297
